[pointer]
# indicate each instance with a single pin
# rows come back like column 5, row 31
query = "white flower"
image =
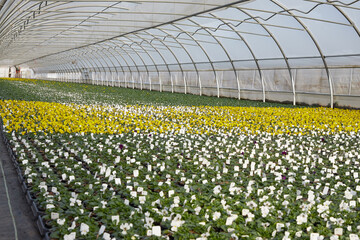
column 322, row 208
column 338, row 231
column 54, row 216
column 279, row 226
column 197, row 210
column 60, row 221
column 106, row 236
column 70, row 236
column 50, row 206
column 245, row 212
column 314, row 236
column 142, row 199
column 264, row 211
column 118, row 181
column 101, row 230
column 348, row 194
column 84, row 228
column 125, row 227
column 311, row 196
column 231, row 219
column 302, row 218
column 133, row 194
column 176, row 223
column 353, row 237
column 156, row 231
column 115, row 219
column 216, row 216
column 217, row 189
column 286, row 236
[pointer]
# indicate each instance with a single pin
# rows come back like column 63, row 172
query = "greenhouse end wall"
column 308, row 86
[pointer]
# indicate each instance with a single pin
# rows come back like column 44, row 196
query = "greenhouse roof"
column 232, row 30
column 191, row 36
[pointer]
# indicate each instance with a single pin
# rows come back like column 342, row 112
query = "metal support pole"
column 172, row 83
column 331, row 91
column 254, row 76
column 125, row 78
column 160, row 83
column 238, row 84
column 351, row 79
column 141, row 82
column 293, row 86
column 185, row 85
column 150, row 81
column 217, row 85
column 199, row 79
column 263, row 86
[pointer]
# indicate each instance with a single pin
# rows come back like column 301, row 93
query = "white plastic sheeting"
column 297, row 51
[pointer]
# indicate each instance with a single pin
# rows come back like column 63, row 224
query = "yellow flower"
column 26, row 116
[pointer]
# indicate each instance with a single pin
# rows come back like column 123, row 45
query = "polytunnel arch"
column 193, row 42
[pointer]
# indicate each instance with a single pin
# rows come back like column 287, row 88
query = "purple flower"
column 242, row 153
column 254, row 142
column 121, row 147
column 284, row 153
column 283, row 177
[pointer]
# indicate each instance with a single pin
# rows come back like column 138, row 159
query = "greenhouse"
column 187, row 119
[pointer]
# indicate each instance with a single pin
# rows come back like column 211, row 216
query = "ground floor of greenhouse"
column 16, row 220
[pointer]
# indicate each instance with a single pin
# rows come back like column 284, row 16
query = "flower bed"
column 144, row 172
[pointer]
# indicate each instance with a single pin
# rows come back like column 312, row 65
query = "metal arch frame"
column 65, row 68
column 79, row 57
column 98, row 58
column 248, row 47
column 356, row 29
column 316, row 45
column 60, row 70
column 94, row 65
column 225, row 51
column 119, row 54
column 57, row 68
column 202, row 49
column 281, row 51
column 28, row 18
column 14, row 14
column 123, row 49
column 189, row 55
column 88, row 17
column 116, row 45
column 146, row 52
column 155, row 38
column 101, row 56
column 101, row 52
column 70, row 69
column 138, row 55
column 112, row 55
column 160, row 54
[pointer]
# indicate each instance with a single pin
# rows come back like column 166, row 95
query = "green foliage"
column 51, row 91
